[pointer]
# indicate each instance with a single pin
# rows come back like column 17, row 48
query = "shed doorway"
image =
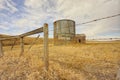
column 79, row 40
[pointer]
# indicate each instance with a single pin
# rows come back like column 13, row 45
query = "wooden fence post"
column 22, row 46
column 1, row 49
column 46, row 54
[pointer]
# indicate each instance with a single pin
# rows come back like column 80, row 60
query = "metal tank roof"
column 64, row 20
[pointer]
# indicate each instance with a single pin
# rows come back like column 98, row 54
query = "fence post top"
column 45, row 24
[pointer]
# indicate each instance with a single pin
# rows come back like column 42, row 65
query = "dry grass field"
column 90, row 61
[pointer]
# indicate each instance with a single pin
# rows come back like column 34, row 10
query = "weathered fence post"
column 46, row 54
column 1, row 49
column 13, row 44
column 22, row 46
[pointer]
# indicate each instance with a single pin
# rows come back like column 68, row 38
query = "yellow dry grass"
column 91, row 61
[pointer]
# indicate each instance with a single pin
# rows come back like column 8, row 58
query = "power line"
column 99, row 19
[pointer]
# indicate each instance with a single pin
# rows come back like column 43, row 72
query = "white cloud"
column 11, row 6
column 8, row 5
column 2, row 4
column 34, row 4
column 3, row 26
column 36, row 14
column 2, row 15
column 78, row 10
column 41, row 11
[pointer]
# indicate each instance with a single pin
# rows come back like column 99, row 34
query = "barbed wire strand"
column 98, row 19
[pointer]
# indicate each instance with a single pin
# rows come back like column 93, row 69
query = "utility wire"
column 99, row 19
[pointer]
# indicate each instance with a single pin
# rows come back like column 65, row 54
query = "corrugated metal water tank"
column 64, row 31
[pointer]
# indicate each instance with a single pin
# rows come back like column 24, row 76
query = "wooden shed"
column 80, row 38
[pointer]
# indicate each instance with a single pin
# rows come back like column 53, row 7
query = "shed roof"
column 78, row 35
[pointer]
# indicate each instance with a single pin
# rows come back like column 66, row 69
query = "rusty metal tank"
column 64, row 31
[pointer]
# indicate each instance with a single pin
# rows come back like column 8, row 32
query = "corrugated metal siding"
column 64, row 30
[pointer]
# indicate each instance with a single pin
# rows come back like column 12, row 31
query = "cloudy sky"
column 18, row 16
